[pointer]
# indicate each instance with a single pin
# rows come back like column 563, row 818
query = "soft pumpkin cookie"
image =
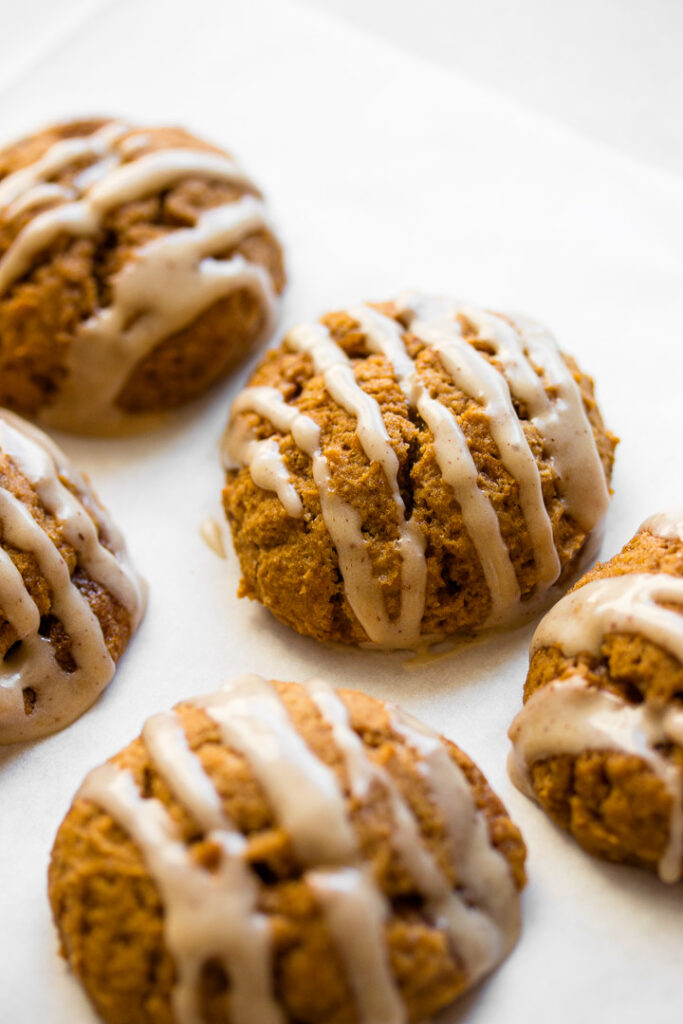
column 599, row 742
column 276, row 853
column 400, row 473
column 137, row 267
column 69, row 597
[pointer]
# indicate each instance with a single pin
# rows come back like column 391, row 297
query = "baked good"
column 137, row 267
column 69, row 597
column 276, row 853
column 599, row 742
column 399, row 473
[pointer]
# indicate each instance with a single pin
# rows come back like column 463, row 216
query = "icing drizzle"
column 668, row 525
column 60, row 696
column 171, row 280
column 554, row 406
column 568, row 716
column 216, row 914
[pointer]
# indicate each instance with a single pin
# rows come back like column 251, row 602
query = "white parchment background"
column 383, row 173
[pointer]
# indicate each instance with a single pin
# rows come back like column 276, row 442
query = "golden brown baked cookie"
column 403, row 472
column 137, row 267
column 276, row 853
column 69, row 597
column 599, row 742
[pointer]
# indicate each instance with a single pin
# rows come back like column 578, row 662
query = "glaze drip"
column 340, row 382
column 482, row 936
column 435, row 323
column 209, row 915
column 206, row 914
column 59, row 696
column 529, row 368
column 170, row 281
column 668, row 525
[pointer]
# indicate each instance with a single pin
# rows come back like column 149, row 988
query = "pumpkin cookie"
column 137, row 267
column 400, row 473
column 69, row 597
column 599, row 742
column 276, row 853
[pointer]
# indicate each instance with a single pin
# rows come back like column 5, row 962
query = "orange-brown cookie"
column 599, row 742
column 69, row 597
column 400, row 473
column 279, row 853
column 137, row 267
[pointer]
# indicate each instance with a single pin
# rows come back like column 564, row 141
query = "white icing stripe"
column 668, row 525
column 332, row 363
column 454, row 460
column 268, row 471
column 434, row 323
column 170, row 281
column 303, row 792
column 158, row 170
column 355, row 913
column 234, row 924
column 615, row 604
column 128, row 182
column 363, row 593
column 561, row 421
column 361, row 770
column 481, row 937
column 60, row 696
column 57, row 158
column 206, row 913
column 355, row 908
column 483, row 872
column 22, row 613
column 569, row 717
column 39, row 196
column 182, row 770
column 264, row 457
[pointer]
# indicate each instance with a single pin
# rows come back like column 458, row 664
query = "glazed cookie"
column 137, row 267
column 400, row 473
column 599, row 742
column 69, row 596
column 278, row 853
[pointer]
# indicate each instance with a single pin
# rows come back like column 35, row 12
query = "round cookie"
column 69, row 598
column 400, row 473
column 137, row 267
column 276, row 853
column 599, row 742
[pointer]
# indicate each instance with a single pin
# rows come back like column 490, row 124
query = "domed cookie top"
column 69, row 597
column 137, row 267
column 599, row 742
column 286, row 853
column 414, row 470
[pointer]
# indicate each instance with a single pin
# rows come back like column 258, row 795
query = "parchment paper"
column 383, row 173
